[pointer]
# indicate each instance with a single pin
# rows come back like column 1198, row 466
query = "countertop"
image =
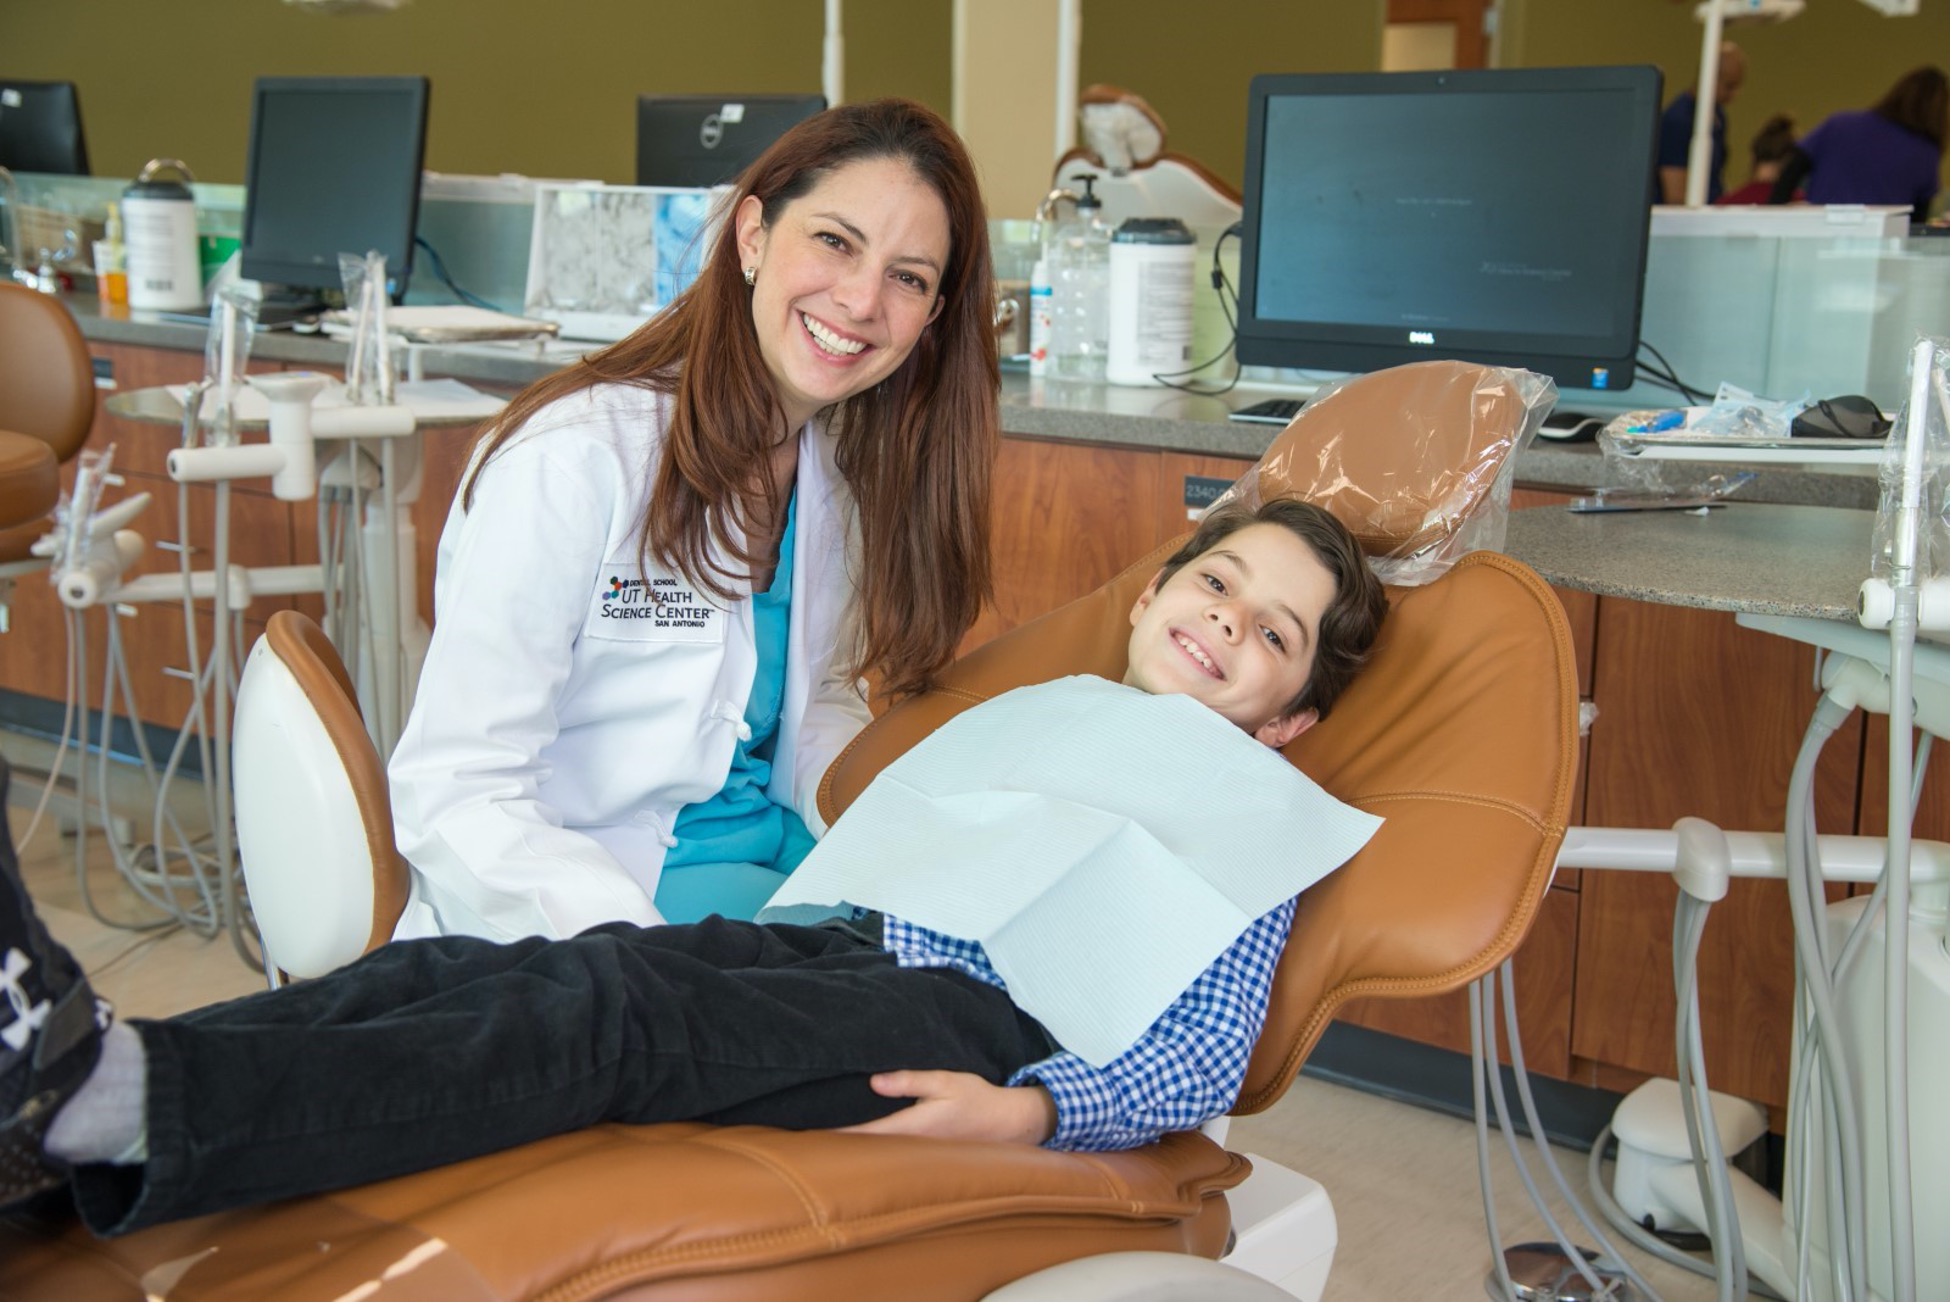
column 1795, row 561
column 1047, row 408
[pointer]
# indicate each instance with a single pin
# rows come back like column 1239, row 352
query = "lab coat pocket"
column 661, row 608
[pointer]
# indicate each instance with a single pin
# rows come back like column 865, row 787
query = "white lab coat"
column 574, row 701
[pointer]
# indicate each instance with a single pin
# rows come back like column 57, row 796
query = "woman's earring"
column 748, row 276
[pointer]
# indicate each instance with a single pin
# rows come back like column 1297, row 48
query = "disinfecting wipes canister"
column 159, row 233
column 1151, row 292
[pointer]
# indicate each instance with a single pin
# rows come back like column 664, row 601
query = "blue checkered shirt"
column 1183, row 1071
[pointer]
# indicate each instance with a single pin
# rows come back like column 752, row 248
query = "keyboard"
column 1277, row 412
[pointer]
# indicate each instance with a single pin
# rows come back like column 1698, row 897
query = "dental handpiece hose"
column 1903, row 641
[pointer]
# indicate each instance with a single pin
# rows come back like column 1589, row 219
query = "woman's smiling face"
column 846, row 280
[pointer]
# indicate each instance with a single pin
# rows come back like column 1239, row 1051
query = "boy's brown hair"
column 1351, row 621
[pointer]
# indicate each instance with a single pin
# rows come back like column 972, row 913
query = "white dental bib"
column 1104, row 845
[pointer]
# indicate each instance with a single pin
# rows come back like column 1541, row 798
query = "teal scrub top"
column 735, row 848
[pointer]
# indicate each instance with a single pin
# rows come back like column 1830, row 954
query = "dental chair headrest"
column 1417, row 460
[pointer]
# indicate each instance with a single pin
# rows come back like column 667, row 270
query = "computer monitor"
column 41, row 128
column 1495, row 216
column 705, row 140
column 335, row 167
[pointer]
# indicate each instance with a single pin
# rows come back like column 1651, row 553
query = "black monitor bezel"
column 1333, row 347
column 643, row 175
column 263, row 267
column 74, row 150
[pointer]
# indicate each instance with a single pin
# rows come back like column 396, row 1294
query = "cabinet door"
column 1066, row 518
column 1696, row 716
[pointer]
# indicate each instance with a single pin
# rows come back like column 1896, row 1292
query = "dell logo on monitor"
column 1420, row 338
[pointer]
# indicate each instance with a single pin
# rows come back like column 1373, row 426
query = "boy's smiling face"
column 1236, row 629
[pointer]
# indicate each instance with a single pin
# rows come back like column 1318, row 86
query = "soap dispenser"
column 1078, row 263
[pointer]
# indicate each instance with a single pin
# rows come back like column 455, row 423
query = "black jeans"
column 431, row 1051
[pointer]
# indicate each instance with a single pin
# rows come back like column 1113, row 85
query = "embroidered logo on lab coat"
column 662, row 607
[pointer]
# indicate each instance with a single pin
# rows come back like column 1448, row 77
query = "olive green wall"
column 1194, row 60
column 1839, row 54
column 544, row 87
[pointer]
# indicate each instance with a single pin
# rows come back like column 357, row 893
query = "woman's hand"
column 961, row 1106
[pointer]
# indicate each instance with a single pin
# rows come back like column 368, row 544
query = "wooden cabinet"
column 1066, row 518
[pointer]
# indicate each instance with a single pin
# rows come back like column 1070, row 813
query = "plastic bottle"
column 1151, row 296
column 112, row 263
column 160, row 219
column 1079, row 264
column 1040, row 320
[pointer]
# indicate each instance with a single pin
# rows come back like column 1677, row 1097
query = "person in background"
column 1676, row 131
column 671, row 567
column 1887, row 154
column 1771, row 147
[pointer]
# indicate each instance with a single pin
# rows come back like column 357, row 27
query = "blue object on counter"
column 1670, row 420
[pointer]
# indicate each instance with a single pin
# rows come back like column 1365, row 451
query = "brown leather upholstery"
column 1461, row 733
column 315, row 665
column 47, row 403
column 30, row 485
column 670, row 1212
column 47, row 384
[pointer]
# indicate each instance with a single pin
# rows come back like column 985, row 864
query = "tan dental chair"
column 47, row 403
column 1461, row 733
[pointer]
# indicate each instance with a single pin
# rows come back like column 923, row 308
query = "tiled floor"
column 1402, row 1179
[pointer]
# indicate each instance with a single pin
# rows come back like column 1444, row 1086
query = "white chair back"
column 315, row 835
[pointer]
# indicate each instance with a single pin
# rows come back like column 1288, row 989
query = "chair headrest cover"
column 1417, row 460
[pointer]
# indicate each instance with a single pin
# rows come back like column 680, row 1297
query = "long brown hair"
column 1920, row 101
column 916, row 451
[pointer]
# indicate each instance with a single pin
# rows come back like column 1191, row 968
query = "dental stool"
column 1461, row 733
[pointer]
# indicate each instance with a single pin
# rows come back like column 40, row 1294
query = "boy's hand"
column 961, row 1106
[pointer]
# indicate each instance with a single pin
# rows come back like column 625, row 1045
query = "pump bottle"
column 1078, row 261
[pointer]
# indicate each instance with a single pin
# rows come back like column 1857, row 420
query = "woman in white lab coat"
column 672, row 566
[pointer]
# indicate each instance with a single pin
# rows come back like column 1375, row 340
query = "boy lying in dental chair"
column 1017, row 955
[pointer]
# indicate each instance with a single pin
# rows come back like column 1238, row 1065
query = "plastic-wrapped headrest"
column 1417, row 460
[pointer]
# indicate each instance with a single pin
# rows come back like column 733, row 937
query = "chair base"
column 1286, row 1229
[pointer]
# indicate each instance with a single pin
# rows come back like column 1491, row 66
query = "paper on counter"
column 1103, row 845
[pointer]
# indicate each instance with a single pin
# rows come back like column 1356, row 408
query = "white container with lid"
column 159, row 224
column 1151, row 300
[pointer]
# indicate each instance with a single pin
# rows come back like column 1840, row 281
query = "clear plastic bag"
column 1744, row 415
column 370, row 352
column 1417, row 460
column 227, row 348
column 1927, row 405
